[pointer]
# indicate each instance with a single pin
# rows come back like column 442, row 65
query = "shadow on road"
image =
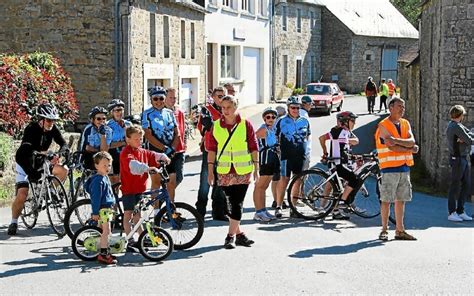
column 337, row 250
column 42, row 233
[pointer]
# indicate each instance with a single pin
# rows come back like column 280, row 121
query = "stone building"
column 112, row 48
column 446, row 64
column 362, row 38
column 296, row 39
column 409, row 84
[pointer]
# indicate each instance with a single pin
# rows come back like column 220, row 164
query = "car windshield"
column 318, row 90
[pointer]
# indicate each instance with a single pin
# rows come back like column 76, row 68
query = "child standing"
column 102, row 199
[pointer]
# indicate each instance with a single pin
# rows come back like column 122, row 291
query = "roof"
column 410, row 54
column 378, row 18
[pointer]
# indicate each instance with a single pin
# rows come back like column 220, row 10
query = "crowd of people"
column 234, row 154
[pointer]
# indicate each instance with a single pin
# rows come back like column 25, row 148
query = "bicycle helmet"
column 115, row 103
column 268, row 111
column 345, row 116
column 157, row 91
column 281, row 110
column 47, row 111
column 97, row 110
column 293, row 100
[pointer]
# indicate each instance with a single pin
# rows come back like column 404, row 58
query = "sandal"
column 402, row 235
column 383, row 236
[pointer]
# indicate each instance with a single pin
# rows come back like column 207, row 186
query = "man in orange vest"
column 395, row 147
column 392, row 89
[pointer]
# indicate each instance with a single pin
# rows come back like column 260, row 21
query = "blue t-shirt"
column 100, row 191
column 293, row 134
column 401, row 169
column 118, row 131
column 161, row 122
column 90, row 136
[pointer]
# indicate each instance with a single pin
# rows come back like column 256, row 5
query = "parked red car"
column 325, row 97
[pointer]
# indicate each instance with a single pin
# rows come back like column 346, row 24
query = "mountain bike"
column 48, row 194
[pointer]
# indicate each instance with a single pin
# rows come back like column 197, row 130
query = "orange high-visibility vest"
column 391, row 88
column 387, row 157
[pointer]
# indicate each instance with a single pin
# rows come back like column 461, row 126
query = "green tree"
column 409, row 8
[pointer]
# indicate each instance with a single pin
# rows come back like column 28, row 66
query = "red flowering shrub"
column 28, row 80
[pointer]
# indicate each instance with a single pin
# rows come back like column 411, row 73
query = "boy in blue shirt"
column 102, row 200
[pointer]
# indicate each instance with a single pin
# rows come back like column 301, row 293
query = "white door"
column 250, row 93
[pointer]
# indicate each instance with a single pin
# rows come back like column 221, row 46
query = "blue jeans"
column 460, row 184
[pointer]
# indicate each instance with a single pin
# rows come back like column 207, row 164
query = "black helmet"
column 293, row 100
column 115, row 103
column 269, row 110
column 97, row 110
column 157, row 91
column 346, row 116
column 48, row 111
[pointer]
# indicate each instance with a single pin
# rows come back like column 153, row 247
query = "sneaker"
column 274, row 205
column 454, row 217
column 243, row 240
column 261, row 217
column 284, row 205
column 229, row 243
column 293, row 214
column 12, row 229
column 465, row 217
column 267, row 213
column 278, row 213
column 338, row 215
column 132, row 246
column 358, row 210
column 106, row 259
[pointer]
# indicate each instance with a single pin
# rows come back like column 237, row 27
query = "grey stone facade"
column 352, row 58
column 304, row 45
column 447, row 77
column 80, row 34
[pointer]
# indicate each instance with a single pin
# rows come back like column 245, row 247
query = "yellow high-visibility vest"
column 236, row 152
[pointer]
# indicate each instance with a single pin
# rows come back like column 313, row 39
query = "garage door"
column 251, row 74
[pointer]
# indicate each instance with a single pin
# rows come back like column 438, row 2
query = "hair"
column 394, row 100
column 383, row 79
column 170, row 89
column 133, row 129
column 217, row 89
column 231, row 99
column 228, row 84
column 456, row 111
column 102, row 155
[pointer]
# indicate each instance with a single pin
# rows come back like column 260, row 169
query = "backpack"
column 371, row 86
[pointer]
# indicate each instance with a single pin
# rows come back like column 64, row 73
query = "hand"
column 169, row 151
column 210, row 178
column 95, row 217
column 256, row 175
column 165, row 159
column 459, row 140
column 55, row 160
column 415, row 149
column 152, row 170
column 103, row 129
column 389, row 141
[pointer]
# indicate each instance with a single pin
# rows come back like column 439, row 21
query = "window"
column 262, row 7
column 246, row 5
column 193, row 42
column 152, row 35
column 227, row 61
column 284, row 19
column 166, row 36
column 285, row 69
column 298, row 20
column 228, row 3
column 312, row 20
column 368, row 57
column 183, row 39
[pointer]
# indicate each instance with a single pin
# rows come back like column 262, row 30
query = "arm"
column 353, row 140
column 96, row 196
column 391, row 141
column 261, row 133
column 322, row 142
column 464, row 135
column 176, row 138
column 117, row 144
column 104, row 146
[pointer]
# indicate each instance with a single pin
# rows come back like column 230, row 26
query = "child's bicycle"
column 154, row 243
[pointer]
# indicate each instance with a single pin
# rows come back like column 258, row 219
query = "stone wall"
column 447, row 76
column 296, row 45
column 140, row 44
column 79, row 33
column 409, row 83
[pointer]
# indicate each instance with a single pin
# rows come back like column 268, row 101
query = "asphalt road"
column 290, row 256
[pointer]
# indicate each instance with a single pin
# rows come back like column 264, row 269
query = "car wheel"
column 339, row 108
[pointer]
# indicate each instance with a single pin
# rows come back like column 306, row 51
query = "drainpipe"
column 272, row 53
column 117, row 47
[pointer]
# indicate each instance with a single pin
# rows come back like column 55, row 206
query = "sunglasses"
column 270, row 117
column 220, row 96
column 118, row 110
column 294, row 107
column 158, row 98
column 100, row 118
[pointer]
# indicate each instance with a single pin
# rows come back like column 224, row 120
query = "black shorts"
column 293, row 165
column 347, row 175
column 270, row 169
column 176, row 165
column 129, row 201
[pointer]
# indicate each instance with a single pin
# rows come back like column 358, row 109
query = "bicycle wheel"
column 29, row 213
column 79, row 192
column 155, row 246
column 86, row 243
column 311, row 195
column 57, row 204
column 185, row 225
column 366, row 201
column 77, row 216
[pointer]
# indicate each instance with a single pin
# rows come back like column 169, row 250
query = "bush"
column 6, row 151
column 298, row 91
column 28, row 80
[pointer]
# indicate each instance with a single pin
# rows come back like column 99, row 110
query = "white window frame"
column 298, row 20
column 183, row 38
column 166, row 37
column 262, row 7
column 284, row 18
column 228, row 4
column 227, row 59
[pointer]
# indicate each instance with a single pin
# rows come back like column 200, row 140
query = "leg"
column 384, row 213
column 127, row 216
column 281, row 189
column 455, row 186
column 155, row 181
column 399, row 215
column 259, row 192
column 465, row 186
column 274, row 190
column 60, row 172
column 171, row 187
column 368, row 104
column 18, row 203
column 104, row 238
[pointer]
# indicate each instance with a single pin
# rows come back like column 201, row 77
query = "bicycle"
column 181, row 220
column 74, row 187
column 319, row 192
column 154, row 243
column 47, row 193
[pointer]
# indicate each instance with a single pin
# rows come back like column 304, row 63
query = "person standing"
column 370, row 93
column 306, row 105
column 392, row 89
column 395, row 147
column 383, row 89
column 210, row 113
column 460, row 140
column 233, row 151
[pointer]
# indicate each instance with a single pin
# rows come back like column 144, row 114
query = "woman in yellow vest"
column 233, row 151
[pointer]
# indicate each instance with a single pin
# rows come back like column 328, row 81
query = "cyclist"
column 292, row 131
column 161, row 131
column 96, row 136
column 306, row 105
column 269, row 163
column 118, row 125
column 37, row 137
column 341, row 138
